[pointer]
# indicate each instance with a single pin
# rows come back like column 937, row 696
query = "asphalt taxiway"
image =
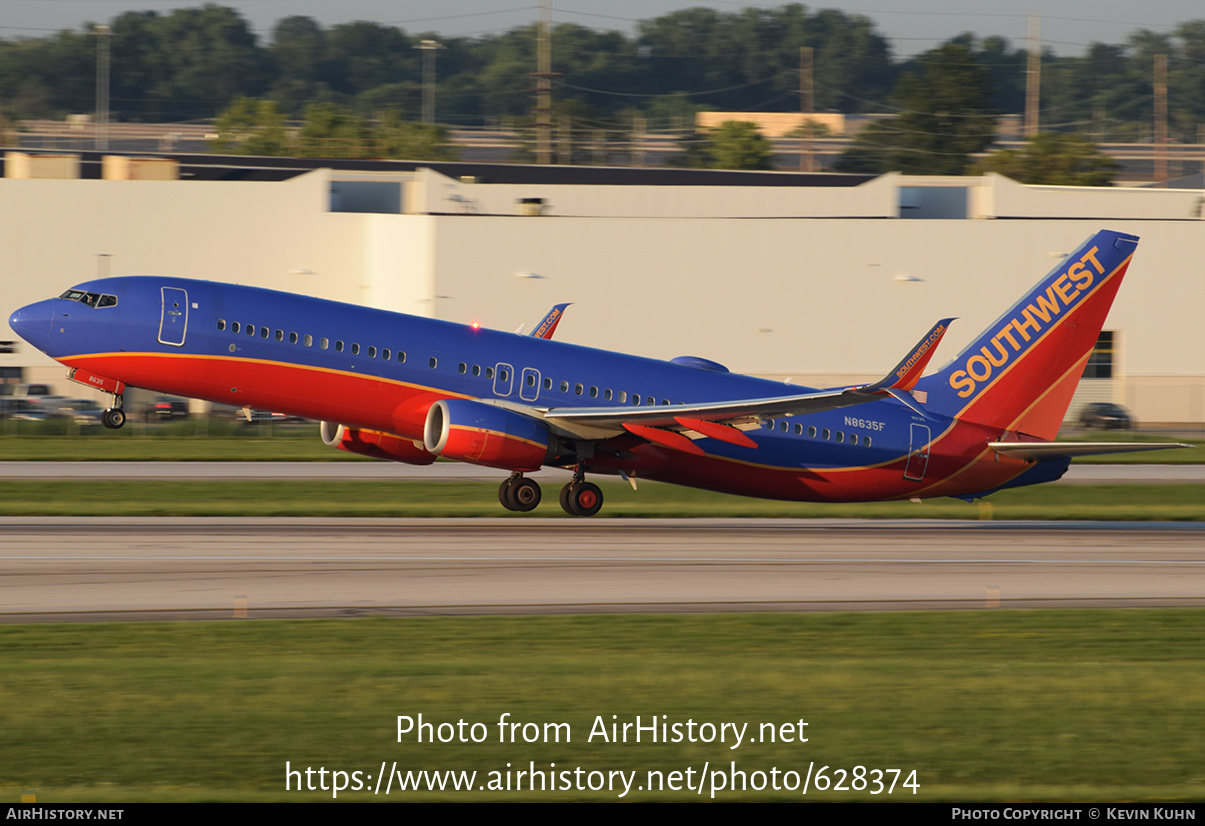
column 176, row 568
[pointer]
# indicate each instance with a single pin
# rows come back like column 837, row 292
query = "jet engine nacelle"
column 375, row 444
column 484, row 434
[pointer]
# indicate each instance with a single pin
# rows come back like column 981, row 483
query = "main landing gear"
column 578, row 498
column 115, row 416
column 519, row 494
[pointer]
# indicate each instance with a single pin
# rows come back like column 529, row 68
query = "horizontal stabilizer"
column 1053, row 450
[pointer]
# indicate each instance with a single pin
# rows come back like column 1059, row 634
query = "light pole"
column 428, row 48
column 103, row 33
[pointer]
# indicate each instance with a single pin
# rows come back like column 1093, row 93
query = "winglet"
column 547, row 325
column 905, row 374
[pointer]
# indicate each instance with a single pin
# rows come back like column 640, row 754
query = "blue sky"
column 912, row 26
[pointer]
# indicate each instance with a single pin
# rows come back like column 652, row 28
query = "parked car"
column 30, row 408
column 84, row 411
column 1106, row 416
column 24, row 410
column 164, row 408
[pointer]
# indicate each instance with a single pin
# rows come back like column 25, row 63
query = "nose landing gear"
column 115, row 416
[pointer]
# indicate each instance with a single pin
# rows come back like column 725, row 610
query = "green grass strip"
column 445, row 499
column 1102, row 705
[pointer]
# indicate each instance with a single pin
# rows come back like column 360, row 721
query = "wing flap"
column 723, row 432
column 665, row 438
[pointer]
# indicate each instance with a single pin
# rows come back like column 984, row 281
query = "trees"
column 738, row 145
column 189, row 64
column 251, row 127
column 943, row 119
column 734, row 144
column 408, row 140
column 1051, row 158
column 256, row 127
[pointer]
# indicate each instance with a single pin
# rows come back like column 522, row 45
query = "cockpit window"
column 91, row 299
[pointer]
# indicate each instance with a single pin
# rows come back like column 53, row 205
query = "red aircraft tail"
column 1020, row 373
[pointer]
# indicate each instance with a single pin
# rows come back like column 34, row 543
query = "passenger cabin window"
column 280, row 335
column 324, row 343
column 338, row 346
column 292, row 338
column 221, row 324
column 309, row 340
column 432, row 362
column 235, row 326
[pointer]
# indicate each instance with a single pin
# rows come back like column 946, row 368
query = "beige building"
column 819, row 285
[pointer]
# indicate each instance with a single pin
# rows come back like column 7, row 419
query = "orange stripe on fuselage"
column 350, row 398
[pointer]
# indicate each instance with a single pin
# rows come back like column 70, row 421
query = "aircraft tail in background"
column 1019, row 375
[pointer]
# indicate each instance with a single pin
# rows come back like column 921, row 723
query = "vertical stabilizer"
column 1020, row 373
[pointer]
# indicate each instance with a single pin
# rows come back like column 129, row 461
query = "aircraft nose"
column 32, row 323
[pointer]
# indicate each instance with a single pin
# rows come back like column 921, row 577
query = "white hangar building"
column 820, row 280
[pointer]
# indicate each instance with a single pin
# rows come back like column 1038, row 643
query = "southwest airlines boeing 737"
column 412, row 389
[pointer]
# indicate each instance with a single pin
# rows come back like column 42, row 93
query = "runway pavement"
column 173, row 568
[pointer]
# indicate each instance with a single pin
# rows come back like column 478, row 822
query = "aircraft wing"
column 714, row 418
column 1038, row 451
